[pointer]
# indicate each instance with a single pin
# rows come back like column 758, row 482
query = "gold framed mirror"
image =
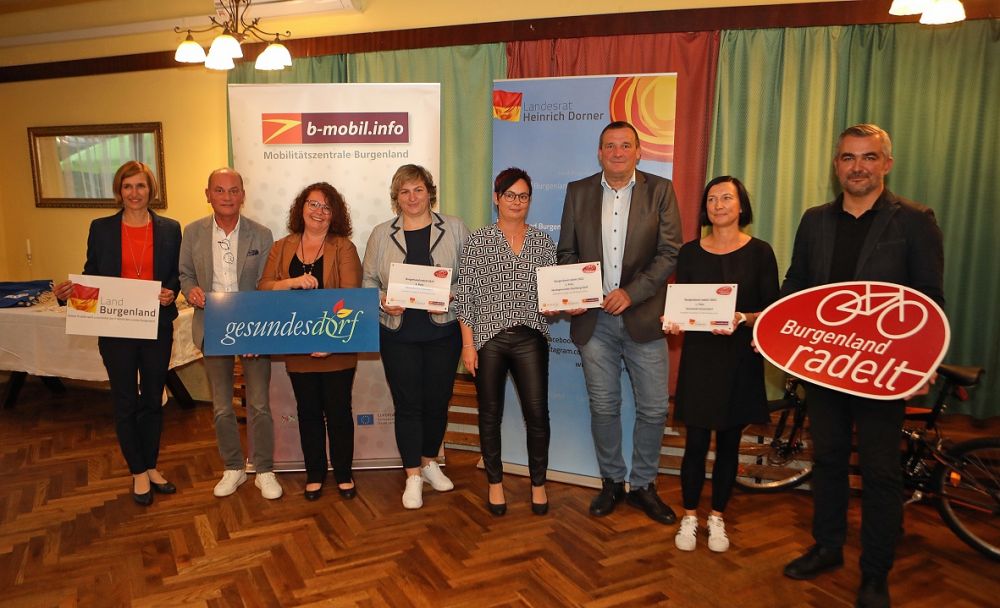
column 74, row 166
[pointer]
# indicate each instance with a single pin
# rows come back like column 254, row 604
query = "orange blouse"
column 137, row 252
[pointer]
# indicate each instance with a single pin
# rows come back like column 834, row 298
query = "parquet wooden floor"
column 70, row 535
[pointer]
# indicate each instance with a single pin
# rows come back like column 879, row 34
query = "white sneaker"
column 687, row 536
column 413, row 495
column 269, row 486
column 433, row 475
column 231, row 479
column 717, row 539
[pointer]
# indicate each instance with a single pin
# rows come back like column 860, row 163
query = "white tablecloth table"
column 33, row 341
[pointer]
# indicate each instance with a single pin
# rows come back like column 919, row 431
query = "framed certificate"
column 700, row 306
column 570, row 286
column 417, row 286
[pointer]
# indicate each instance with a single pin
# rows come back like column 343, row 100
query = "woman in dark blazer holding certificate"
column 503, row 331
column 318, row 254
column 136, row 243
column 419, row 348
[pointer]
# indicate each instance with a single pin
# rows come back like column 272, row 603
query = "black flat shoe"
column 142, row 499
column 313, row 494
column 540, row 508
column 163, row 488
column 612, row 493
column 646, row 500
column 815, row 561
column 348, row 493
column 497, row 509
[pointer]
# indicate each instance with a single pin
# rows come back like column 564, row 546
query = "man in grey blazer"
column 226, row 252
column 865, row 234
column 627, row 220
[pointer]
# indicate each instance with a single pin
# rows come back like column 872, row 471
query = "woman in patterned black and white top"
column 502, row 330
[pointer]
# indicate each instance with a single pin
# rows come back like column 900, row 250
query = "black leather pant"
column 523, row 352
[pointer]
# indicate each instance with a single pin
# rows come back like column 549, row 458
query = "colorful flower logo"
column 340, row 311
column 649, row 103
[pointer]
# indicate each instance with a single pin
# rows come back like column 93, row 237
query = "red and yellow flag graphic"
column 84, row 298
column 507, row 105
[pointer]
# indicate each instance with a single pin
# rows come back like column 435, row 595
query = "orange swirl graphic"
column 649, row 103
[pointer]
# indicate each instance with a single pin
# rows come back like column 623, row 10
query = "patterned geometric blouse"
column 497, row 289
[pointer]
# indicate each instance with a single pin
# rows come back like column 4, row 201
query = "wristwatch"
column 742, row 319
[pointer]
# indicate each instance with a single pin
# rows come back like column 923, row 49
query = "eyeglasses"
column 510, row 197
column 319, row 206
column 228, row 256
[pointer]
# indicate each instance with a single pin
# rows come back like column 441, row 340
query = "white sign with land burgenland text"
column 113, row 307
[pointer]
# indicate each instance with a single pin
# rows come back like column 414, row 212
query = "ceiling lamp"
column 274, row 57
column 939, row 12
column 232, row 20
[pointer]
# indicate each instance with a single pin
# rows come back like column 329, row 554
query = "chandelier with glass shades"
column 232, row 20
column 932, row 12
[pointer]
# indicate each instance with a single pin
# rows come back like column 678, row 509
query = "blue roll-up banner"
column 550, row 128
column 297, row 321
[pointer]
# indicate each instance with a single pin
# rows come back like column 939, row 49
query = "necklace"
column 515, row 239
column 142, row 254
column 308, row 268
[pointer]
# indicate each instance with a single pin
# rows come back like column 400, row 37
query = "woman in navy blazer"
column 135, row 243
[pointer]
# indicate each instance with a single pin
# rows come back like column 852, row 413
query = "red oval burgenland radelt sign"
column 866, row 338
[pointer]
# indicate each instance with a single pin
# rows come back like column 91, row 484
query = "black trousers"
column 833, row 416
column 323, row 403
column 523, row 352
column 727, row 449
column 138, row 406
column 421, row 378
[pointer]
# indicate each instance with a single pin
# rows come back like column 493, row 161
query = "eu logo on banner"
column 298, row 321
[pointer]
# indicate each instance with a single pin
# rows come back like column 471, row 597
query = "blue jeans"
column 646, row 364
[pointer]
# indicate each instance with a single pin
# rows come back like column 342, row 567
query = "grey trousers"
column 257, row 372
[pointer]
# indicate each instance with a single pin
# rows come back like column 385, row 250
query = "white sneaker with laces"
column 717, row 539
column 687, row 535
column 269, row 486
column 413, row 495
column 433, row 475
column 231, row 479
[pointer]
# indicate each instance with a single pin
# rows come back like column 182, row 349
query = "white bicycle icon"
column 843, row 306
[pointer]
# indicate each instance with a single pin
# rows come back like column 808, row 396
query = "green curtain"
column 783, row 96
column 328, row 68
column 466, row 75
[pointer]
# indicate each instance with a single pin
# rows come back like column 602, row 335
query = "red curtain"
column 693, row 56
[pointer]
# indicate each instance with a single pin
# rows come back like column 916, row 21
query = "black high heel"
column 497, row 509
column 348, row 493
column 313, row 494
column 540, row 508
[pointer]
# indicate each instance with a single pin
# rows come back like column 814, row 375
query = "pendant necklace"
column 308, row 268
column 142, row 254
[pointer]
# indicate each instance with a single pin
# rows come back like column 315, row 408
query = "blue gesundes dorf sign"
column 298, row 321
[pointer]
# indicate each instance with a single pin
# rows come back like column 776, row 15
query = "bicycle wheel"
column 776, row 455
column 968, row 490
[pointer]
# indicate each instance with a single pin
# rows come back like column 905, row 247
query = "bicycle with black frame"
column 963, row 478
